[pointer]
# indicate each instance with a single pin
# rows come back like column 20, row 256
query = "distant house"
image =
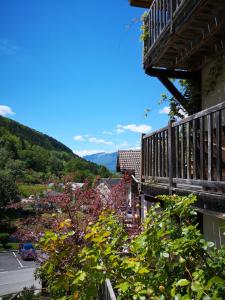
column 105, row 185
column 76, row 185
column 129, row 164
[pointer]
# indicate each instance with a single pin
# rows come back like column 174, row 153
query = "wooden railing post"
column 171, row 155
column 171, row 15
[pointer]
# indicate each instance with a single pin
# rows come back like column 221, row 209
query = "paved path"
column 15, row 274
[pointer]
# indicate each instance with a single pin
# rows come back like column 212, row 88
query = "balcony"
column 188, row 156
column 183, row 34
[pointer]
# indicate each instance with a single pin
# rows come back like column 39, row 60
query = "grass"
column 26, row 190
column 10, row 246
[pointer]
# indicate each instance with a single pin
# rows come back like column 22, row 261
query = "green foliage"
column 32, row 157
column 191, row 94
column 169, row 259
column 8, row 188
column 4, row 238
column 26, row 190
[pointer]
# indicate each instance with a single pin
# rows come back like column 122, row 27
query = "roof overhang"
column 141, row 3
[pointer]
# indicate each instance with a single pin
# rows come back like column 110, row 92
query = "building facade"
column 185, row 39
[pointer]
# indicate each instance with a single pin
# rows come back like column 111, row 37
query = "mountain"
column 33, row 157
column 105, row 159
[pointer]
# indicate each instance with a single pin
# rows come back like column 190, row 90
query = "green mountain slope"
column 33, row 157
column 32, row 136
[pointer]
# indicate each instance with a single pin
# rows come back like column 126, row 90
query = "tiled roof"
column 129, row 160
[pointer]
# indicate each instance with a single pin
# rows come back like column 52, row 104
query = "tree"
column 8, row 189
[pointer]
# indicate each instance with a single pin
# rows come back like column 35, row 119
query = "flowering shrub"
column 169, row 259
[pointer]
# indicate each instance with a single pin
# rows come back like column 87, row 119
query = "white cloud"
column 125, row 144
column 85, row 152
column 134, row 128
column 78, row 138
column 165, row 110
column 100, row 141
column 119, row 130
column 107, row 132
column 6, row 110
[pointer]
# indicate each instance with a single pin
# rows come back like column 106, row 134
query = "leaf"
column 182, row 282
column 165, row 254
column 124, row 286
column 143, row 271
column 210, row 244
column 81, row 275
column 214, row 280
column 196, row 286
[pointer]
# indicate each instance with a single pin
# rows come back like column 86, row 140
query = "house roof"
column 110, row 182
column 129, row 160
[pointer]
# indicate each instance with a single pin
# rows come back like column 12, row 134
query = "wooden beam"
column 178, row 74
column 173, row 90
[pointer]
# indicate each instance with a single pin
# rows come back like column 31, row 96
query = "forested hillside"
column 32, row 157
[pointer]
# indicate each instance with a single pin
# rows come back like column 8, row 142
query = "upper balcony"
column 183, row 34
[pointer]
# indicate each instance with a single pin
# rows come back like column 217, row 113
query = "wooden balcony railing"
column 160, row 17
column 188, row 152
column 180, row 34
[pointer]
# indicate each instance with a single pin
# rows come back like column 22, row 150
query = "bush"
column 4, row 238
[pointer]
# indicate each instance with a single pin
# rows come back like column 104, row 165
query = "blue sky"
column 73, row 70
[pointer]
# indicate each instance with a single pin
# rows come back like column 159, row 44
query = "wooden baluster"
column 188, row 137
column 156, row 155
column 163, row 154
column 160, row 154
column 146, row 157
column 165, row 10
column 202, row 149
column 150, row 29
column 182, row 158
column 157, row 18
column 167, row 153
column 155, row 21
column 171, row 156
column 153, row 156
column 218, row 147
column 210, row 149
column 161, row 15
column 150, row 153
column 177, row 151
column 194, row 150
column 171, row 15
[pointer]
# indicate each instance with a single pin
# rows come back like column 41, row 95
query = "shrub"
column 4, row 238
